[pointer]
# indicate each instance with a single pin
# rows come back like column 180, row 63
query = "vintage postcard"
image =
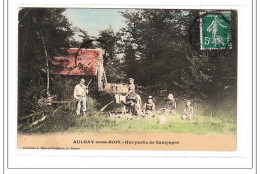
column 127, row 79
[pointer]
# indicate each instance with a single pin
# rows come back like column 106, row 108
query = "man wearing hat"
column 80, row 94
column 149, row 107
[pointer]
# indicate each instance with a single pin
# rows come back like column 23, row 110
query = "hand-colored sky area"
column 95, row 20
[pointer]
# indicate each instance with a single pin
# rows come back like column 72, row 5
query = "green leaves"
column 34, row 25
column 156, row 44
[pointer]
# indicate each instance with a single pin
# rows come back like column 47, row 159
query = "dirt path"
column 129, row 141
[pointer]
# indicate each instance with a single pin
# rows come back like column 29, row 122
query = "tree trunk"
column 47, row 66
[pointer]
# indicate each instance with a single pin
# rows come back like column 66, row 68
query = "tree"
column 42, row 34
column 110, row 39
column 112, row 61
column 81, row 35
column 157, row 45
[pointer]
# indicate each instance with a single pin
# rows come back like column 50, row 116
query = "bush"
column 62, row 117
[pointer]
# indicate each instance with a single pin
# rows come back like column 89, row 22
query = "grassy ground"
column 199, row 124
column 207, row 120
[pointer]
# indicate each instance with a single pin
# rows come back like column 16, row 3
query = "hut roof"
column 85, row 64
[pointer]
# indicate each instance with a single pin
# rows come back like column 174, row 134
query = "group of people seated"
column 134, row 101
column 170, row 108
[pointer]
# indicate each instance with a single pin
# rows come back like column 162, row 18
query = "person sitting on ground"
column 171, row 105
column 149, row 107
column 188, row 111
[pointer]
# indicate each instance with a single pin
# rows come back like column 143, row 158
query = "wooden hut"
column 81, row 62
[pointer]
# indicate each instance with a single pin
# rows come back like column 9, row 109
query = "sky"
column 95, row 20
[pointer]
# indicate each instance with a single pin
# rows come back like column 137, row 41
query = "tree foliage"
column 159, row 54
column 112, row 58
column 40, row 30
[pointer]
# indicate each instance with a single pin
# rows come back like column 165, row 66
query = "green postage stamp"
column 215, row 30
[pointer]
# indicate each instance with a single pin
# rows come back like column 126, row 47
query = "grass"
column 199, row 124
column 205, row 121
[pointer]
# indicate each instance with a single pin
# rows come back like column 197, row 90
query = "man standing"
column 80, row 94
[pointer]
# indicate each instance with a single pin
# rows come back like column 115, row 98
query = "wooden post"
column 102, row 80
column 100, row 74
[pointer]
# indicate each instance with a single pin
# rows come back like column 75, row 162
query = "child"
column 188, row 111
column 131, row 89
column 149, row 107
column 171, row 105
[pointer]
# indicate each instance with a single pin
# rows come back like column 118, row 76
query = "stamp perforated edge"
column 202, row 13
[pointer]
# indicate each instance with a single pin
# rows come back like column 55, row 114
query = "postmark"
column 215, row 30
